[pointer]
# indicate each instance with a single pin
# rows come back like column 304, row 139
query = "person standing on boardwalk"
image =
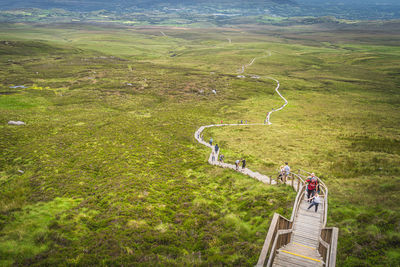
column 312, row 182
column 286, row 170
column 281, row 173
column 213, row 156
column 216, row 148
column 316, row 200
column 211, row 140
column 221, row 158
column 237, row 164
column 243, row 164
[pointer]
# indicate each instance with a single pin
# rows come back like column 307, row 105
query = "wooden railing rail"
column 280, row 230
column 323, row 188
column 327, row 246
column 279, row 223
column 282, row 238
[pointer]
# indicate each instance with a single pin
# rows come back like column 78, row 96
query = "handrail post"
column 271, row 231
column 333, row 248
column 292, row 179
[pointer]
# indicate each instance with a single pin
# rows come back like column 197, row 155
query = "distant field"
column 107, row 172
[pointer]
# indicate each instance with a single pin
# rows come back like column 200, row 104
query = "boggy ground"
column 113, row 175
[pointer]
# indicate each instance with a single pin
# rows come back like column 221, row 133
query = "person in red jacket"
column 312, row 184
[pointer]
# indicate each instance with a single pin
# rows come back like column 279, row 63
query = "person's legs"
column 312, row 204
column 316, row 207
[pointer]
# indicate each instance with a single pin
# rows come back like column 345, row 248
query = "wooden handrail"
column 327, row 240
column 274, row 246
column 297, row 202
column 276, row 222
column 268, row 239
column 324, row 189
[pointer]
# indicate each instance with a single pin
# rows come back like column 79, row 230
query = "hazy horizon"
column 353, row 9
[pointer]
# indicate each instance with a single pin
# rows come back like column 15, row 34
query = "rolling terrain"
column 106, row 170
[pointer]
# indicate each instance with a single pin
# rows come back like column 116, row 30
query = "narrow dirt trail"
column 214, row 155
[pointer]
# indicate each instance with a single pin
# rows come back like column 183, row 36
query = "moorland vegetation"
column 106, row 169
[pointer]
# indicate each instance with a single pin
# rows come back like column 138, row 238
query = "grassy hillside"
column 107, row 171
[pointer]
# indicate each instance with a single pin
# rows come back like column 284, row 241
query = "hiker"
column 213, row 156
column 216, row 148
column 312, row 182
column 243, row 164
column 286, row 173
column 316, row 200
column 221, row 158
column 241, row 122
column 211, row 140
column 281, row 173
column 221, row 121
column 246, row 122
column 237, row 164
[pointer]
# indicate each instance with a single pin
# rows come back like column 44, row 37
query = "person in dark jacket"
column 312, row 184
column 243, row 164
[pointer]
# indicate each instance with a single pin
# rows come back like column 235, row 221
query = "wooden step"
column 306, row 241
column 305, row 233
column 302, row 249
column 309, row 215
column 307, row 223
column 283, row 258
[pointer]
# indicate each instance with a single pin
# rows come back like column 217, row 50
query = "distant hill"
column 343, row 9
column 116, row 5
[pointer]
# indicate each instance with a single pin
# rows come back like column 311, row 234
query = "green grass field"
column 113, row 176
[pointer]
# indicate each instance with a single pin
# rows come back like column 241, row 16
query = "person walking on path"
column 221, row 158
column 286, row 170
column 243, row 164
column 316, row 200
column 213, row 156
column 216, row 148
column 237, row 164
column 312, row 182
column 281, row 173
column 211, row 140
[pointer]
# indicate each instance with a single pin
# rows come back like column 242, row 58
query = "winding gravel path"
column 198, row 135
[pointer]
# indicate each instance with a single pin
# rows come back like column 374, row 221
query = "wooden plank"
column 332, row 254
column 303, row 250
column 268, row 240
column 311, row 234
column 293, row 260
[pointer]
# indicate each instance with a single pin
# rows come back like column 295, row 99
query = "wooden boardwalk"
column 304, row 240
column 302, row 250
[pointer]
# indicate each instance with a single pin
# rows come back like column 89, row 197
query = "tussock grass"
column 110, row 120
